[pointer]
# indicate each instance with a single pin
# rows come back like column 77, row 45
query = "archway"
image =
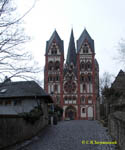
column 70, row 112
column 90, row 112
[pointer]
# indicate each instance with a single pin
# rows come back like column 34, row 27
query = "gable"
column 70, row 75
column 54, row 49
column 85, row 37
column 85, row 48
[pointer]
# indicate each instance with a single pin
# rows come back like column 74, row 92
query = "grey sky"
column 103, row 19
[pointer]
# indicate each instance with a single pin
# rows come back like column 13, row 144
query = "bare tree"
column 14, row 60
column 105, row 82
column 121, row 52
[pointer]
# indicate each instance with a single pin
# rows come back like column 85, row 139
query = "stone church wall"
column 14, row 129
column 116, row 125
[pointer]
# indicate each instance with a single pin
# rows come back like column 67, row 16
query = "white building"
column 23, row 96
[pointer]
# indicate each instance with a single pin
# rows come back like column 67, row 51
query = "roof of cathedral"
column 85, row 36
column 71, row 55
column 55, row 37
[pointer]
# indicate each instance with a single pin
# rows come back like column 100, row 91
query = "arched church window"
column 50, row 65
column 55, row 87
column 70, row 97
column 89, row 65
column 83, row 110
column 65, row 98
column 49, row 78
column 82, row 65
column 89, row 77
column 90, row 100
column 57, row 99
column 84, row 87
column 86, row 66
column 82, row 78
column 74, row 98
column 82, row 99
column 57, row 65
column 53, row 78
column 57, row 78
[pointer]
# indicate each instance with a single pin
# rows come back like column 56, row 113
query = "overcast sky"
column 103, row 19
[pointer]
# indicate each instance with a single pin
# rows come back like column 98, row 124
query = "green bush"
column 32, row 116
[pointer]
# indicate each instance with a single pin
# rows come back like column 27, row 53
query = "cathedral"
column 74, row 83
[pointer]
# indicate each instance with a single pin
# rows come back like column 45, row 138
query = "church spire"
column 71, row 55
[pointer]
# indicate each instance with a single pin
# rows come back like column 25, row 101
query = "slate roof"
column 23, row 89
column 71, row 55
column 119, row 82
column 55, row 37
column 85, row 35
column 96, row 64
column 119, row 115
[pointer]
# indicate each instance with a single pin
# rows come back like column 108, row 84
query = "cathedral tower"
column 53, row 80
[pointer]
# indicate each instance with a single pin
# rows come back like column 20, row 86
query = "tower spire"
column 71, row 55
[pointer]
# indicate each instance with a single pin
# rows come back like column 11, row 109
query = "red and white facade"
column 74, row 84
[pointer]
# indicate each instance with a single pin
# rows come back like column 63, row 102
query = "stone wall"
column 116, row 125
column 14, row 129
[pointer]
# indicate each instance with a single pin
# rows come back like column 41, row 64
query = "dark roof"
column 23, row 89
column 85, row 36
column 119, row 82
column 71, row 55
column 55, row 37
column 96, row 64
column 119, row 115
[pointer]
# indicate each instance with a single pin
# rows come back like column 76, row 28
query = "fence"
column 15, row 129
column 116, row 125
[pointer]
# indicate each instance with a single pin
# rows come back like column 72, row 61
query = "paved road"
column 68, row 135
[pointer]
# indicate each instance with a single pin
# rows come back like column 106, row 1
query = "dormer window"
column 3, row 91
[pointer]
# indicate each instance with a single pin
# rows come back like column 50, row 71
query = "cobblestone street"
column 67, row 135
